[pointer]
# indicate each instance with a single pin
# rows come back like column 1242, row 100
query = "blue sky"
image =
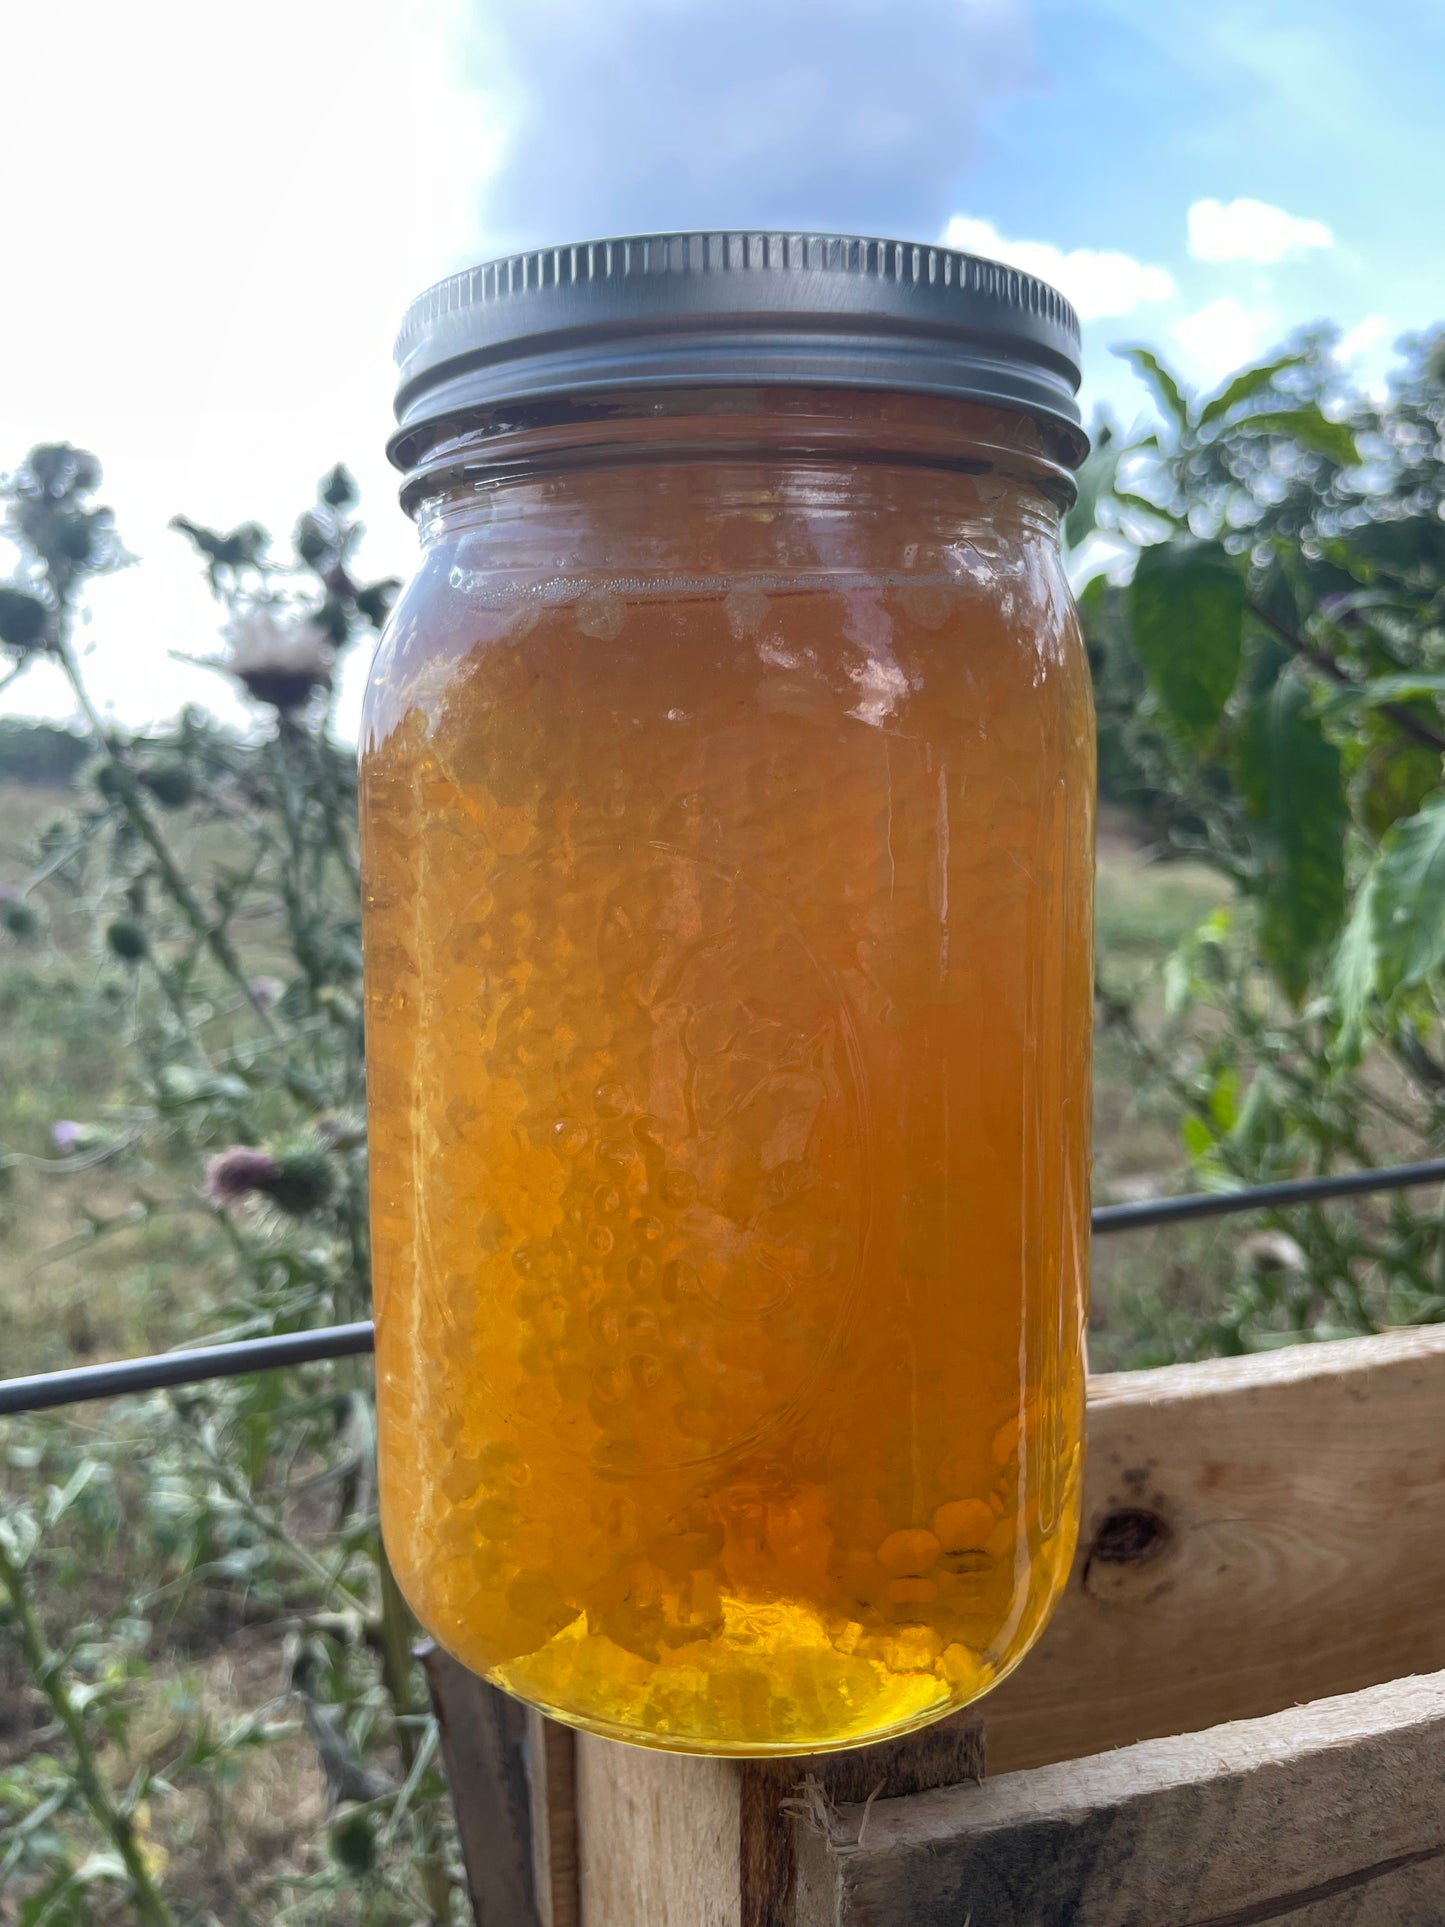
column 215, row 253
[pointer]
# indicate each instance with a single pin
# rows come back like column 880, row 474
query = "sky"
column 213, row 217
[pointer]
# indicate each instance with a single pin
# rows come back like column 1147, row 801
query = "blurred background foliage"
column 1269, row 662
column 208, row 1704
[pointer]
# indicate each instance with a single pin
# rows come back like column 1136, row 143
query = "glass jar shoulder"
column 844, row 603
column 413, row 642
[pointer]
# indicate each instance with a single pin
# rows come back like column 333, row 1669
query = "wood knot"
column 1128, row 1536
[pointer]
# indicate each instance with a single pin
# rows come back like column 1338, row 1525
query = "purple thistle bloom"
column 65, row 1134
column 239, row 1172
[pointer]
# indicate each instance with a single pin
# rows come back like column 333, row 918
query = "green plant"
column 1270, row 659
column 202, row 900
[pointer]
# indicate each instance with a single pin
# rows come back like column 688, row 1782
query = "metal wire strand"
column 45, row 1390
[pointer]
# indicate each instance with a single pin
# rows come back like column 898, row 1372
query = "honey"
column 727, row 788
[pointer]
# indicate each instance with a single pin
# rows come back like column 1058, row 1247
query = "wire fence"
column 195, row 1364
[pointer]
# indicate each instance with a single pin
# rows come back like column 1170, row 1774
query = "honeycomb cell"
column 964, row 1525
column 910, row 1550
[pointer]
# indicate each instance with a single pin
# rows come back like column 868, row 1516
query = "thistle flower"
column 278, row 657
column 24, row 620
column 238, row 1173
column 296, row 1182
column 16, row 915
column 126, row 940
column 306, row 1182
column 171, row 784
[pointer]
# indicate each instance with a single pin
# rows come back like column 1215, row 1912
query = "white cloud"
column 1245, row 230
column 1224, row 335
column 211, row 241
column 1099, row 282
column 738, row 113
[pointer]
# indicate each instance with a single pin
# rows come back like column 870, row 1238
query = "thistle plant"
column 200, row 897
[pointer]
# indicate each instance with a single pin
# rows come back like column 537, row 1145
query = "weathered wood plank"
column 1324, row 1815
column 552, row 1786
column 484, row 1750
column 709, row 1843
column 946, row 1754
column 1257, row 1532
column 658, row 1838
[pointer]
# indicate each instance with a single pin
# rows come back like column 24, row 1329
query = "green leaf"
column 19, row 1535
column 59, row 1499
column 1393, row 775
column 1408, row 900
column 1403, row 688
column 1186, row 622
column 1395, row 937
column 100, row 1866
column 1352, row 978
column 1291, row 781
column 1309, row 426
column 1178, row 984
column 413, row 1780
column 1416, row 607
column 1254, row 1126
column 1224, row 1098
column 1167, row 391
column 1199, row 1140
column 1243, row 386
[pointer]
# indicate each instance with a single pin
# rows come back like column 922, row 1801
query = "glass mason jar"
column 727, row 796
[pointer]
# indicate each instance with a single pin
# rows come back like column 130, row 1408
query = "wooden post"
column 709, row 1843
column 552, row 1777
column 663, row 1839
column 512, row 1779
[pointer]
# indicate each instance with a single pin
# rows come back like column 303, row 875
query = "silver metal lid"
column 736, row 310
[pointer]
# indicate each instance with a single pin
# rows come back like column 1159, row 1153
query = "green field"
column 1152, row 1290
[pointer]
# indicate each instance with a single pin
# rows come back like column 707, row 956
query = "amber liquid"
column 728, row 960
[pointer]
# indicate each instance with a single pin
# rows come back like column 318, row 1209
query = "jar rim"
column 813, row 426
column 736, row 309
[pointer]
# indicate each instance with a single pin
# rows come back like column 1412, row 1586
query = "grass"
column 103, row 1253
column 1152, row 1290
